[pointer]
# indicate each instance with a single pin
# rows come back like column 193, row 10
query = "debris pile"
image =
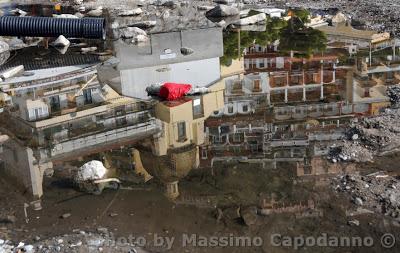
column 378, row 192
column 79, row 241
column 394, row 94
column 349, row 151
column 370, row 136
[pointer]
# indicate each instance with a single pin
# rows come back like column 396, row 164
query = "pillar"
column 286, row 95
column 304, row 94
column 334, row 73
column 322, row 91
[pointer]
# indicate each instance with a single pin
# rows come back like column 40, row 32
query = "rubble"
column 394, row 94
column 372, row 192
column 349, row 151
column 369, row 136
column 76, row 242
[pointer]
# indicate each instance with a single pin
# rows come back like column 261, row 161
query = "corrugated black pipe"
column 91, row 28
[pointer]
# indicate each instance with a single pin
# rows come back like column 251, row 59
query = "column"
column 322, row 92
column 334, row 73
column 287, row 78
column 304, row 94
column 286, row 95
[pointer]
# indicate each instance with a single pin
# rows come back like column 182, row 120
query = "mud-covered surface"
column 236, row 189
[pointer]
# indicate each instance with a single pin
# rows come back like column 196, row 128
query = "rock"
column 4, row 47
column 358, row 201
column 130, row 32
column 96, row 12
column 29, row 248
column 37, row 238
column 2, row 241
column 113, row 214
column 223, row 11
column 249, row 215
column 78, row 2
column 143, row 24
column 165, row 15
column 102, row 230
column 125, row 13
column 61, row 41
column 354, row 223
column 65, row 215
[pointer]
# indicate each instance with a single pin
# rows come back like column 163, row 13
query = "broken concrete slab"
column 223, row 11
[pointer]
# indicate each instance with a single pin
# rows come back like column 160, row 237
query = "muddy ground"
column 144, row 211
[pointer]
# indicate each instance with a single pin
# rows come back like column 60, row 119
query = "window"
column 203, row 153
column 245, row 108
column 181, row 131
column 230, row 109
column 55, row 103
column 87, row 94
column 197, row 108
column 256, row 85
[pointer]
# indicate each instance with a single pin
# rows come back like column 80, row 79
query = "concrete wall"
column 19, row 164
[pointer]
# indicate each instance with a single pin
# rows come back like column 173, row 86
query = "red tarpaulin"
column 173, row 91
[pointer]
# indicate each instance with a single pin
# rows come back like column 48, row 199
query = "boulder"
column 223, row 11
column 91, row 171
column 96, row 12
column 249, row 216
column 131, row 32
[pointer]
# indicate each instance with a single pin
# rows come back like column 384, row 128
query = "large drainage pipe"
column 90, row 28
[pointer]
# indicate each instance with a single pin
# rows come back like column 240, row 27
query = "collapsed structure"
column 62, row 113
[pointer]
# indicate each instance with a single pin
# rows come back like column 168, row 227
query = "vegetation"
column 293, row 35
